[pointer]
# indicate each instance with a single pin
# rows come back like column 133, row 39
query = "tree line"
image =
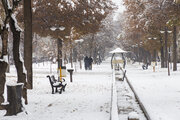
column 147, row 27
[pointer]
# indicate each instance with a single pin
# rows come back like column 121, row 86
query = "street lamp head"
column 53, row 28
column 169, row 31
column 57, row 28
column 152, row 38
column 67, row 36
column 61, row 28
column 162, row 31
column 155, row 38
column 80, row 40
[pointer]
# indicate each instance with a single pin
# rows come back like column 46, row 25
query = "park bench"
column 59, row 86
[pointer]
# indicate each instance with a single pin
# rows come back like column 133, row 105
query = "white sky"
column 119, row 3
column 121, row 8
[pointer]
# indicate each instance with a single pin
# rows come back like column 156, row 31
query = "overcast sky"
column 121, row 8
column 119, row 3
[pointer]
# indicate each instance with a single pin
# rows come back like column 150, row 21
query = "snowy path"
column 159, row 93
column 127, row 102
column 87, row 98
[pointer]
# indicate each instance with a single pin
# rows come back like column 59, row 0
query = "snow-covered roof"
column 118, row 50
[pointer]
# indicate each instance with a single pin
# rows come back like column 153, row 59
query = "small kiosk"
column 118, row 61
column 118, row 58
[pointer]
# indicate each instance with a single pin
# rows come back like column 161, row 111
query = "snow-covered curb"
column 114, row 109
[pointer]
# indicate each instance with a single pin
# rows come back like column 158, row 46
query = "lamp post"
column 71, row 36
column 167, row 54
column 166, row 31
column 59, row 49
column 79, row 53
column 154, row 54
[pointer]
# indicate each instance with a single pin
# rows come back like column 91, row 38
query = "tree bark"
column 166, row 51
column 174, row 49
column 16, row 55
column 4, row 42
column 14, row 99
column 3, row 64
column 154, row 55
column 28, row 42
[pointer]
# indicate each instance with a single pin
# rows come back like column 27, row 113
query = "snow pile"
column 5, row 58
column 133, row 115
column 15, row 22
column 13, row 83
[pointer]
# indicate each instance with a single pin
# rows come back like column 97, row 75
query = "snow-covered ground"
column 88, row 97
column 127, row 103
column 159, row 92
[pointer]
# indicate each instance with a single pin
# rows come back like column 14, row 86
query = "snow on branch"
column 24, row 69
column 8, row 5
column 4, row 59
column 15, row 22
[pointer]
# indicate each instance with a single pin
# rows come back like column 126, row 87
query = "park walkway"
column 88, row 97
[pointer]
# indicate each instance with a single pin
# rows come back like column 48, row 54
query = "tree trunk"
column 154, row 55
column 95, row 54
column 3, row 64
column 174, row 50
column 16, row 55
column 145, row 57
column 14, row 99
column 8, row 67
column 92, row 45
column 4, row 42
column 166, row 51
column 65, row 59
column 28, row 42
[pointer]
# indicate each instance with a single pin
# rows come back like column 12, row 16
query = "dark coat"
column 86, row 61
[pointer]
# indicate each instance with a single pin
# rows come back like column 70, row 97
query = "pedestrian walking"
column 86, row 63
column 90, row 61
